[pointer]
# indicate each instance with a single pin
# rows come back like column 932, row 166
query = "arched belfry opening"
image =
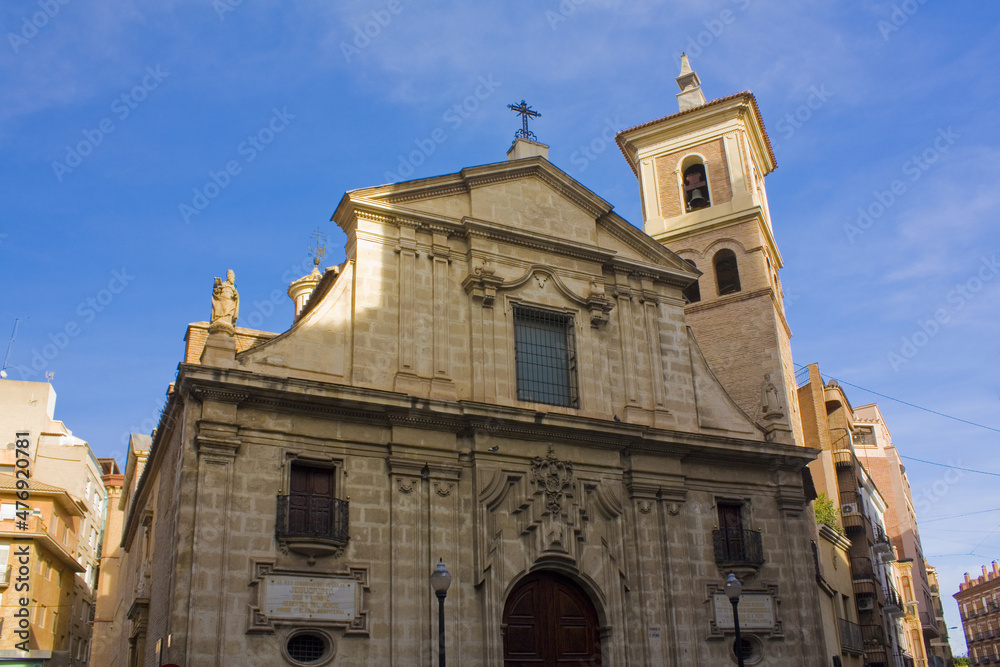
column 696, row 194
column 727, row 273
column 549, row 619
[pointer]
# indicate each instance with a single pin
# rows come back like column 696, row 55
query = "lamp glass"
column 440, row 578
column 733, row 587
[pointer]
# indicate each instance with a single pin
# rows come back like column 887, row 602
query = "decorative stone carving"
column 482, row 285
column 553, row 476
column 599, row 304
column 443, row 489
column 769, row 403
column 225, row 304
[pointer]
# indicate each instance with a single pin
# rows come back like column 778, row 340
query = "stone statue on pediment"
column 225, row 303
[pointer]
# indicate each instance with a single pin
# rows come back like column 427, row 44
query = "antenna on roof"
column 13, row 335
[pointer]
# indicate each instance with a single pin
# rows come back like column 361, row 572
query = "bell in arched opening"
column 696, row 187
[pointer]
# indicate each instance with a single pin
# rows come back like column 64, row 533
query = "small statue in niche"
column 769, row 397
column 225, row 303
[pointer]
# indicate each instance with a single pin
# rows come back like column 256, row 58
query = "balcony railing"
column 320, row 519
column 882, row 542
column 851, row 639
column 861, row 568
column 843, row 458
column 929, row 625
column 876, row 656
column 738, row 547
column 873, row 635
column 852, row 511
column 892, row 598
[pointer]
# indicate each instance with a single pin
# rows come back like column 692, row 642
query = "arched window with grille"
column 727, row 273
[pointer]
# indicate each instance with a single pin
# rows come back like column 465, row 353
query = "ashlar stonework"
column 402, row 400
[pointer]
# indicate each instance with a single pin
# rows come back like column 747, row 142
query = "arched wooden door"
column 549, row 620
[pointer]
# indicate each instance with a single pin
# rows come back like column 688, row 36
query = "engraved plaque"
column 756, row 611
column 315, row 598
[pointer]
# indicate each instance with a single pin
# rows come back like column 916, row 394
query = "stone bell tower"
column 701, row 177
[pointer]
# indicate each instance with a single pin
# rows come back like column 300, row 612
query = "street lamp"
column 440, row 581
column 733, row 591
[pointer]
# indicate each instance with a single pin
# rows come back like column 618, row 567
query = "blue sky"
column 117, row 115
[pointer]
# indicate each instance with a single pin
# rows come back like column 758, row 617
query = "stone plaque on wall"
column 310, row 598
column 756, row 611
column 293, row 597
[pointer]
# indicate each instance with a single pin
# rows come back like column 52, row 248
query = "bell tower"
column 701, row 177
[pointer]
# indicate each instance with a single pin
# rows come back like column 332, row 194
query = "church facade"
column 503, row 377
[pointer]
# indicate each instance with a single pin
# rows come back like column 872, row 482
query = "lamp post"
column 440, row 581
column 733, row 591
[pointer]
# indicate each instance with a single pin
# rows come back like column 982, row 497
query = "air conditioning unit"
column 866, row 604
column 848, row 508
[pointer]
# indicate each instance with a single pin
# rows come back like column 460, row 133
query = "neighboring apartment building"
column 979, row 605
column 104, row 626
column 874, row 447
column 868, row 611
column 119, row 622
column 61, row 529
column 500, row 375
column 941, row 655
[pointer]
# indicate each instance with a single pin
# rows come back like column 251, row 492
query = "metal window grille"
column 306, row 648
column 545, row 357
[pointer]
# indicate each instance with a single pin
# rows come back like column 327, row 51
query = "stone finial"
column 300, row 290
column 225, row 304
column 690, row 85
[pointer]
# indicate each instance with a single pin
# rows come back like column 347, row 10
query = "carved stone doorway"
column 549, row 620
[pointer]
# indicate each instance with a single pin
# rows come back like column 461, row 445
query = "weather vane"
column 320, row 248
column 525, row 112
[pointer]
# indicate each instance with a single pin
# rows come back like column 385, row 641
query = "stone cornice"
column 393, row 408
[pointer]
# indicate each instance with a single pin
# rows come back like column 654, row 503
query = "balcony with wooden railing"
column 320, row 527
column 739, row 548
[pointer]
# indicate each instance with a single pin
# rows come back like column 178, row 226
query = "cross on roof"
column 525, row 112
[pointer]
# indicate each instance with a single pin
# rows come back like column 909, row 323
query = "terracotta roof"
column 197, row 334
column 9, row 483
column 721, row 100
